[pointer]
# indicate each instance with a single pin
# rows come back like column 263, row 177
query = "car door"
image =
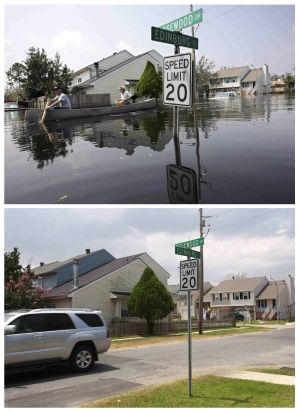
column 58, row 336
column 27, row 344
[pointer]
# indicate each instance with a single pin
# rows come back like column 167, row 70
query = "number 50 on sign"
column 178, row 80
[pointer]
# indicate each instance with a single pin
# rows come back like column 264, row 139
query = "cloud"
column 68, row 39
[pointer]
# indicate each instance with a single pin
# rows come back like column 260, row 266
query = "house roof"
column 253, row 75
column 98, row 273
column 270, row 292
column 86, row 260
column 176, row 289
column 238, row 285
column 100, row 61
column 112, row 69
column 231, row 72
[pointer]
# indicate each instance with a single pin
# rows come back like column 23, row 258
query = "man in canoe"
column 60, row 101
column 125, row 97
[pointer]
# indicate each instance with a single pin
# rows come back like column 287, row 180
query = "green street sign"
column 187, row 252
column 185, row 21
column 170, row 37
column 191, row 243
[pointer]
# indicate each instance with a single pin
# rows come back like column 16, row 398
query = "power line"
column 220, row 15
column 243, row 220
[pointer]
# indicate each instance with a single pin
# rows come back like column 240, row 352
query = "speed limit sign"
column 189, row 274
column 178, row 80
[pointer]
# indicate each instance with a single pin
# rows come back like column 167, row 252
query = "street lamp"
column 277, row 298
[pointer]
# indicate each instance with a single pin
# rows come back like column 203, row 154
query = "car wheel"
column 82, row 358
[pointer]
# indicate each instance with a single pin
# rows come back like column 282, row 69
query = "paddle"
column 45, row 112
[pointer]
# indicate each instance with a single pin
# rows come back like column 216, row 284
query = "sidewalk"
column 257, row 376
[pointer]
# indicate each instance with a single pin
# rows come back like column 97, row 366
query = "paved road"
column 122, row 370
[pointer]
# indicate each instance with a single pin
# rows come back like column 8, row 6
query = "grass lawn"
column 120, row 343
column 287, row 372
column 207, row 392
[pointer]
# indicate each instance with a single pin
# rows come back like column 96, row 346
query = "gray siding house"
column 127, row 72
column 95, row 280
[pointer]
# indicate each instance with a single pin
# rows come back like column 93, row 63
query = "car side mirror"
column 10, row 329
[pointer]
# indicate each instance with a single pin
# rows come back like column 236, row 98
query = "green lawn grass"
column 287, row 372
column 207, row 392
column 120, row 343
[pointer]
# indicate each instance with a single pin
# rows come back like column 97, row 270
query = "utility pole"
column 201, row 278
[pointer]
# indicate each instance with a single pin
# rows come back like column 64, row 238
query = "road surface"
column 122, row 370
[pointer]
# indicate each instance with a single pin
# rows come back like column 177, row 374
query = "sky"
column 254, row 241
column 230, row 35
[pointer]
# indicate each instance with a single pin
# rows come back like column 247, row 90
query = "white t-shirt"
column 126, row 95
column 64, row 101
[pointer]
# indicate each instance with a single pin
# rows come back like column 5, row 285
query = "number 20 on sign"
column 189, row 274
column 178, row 80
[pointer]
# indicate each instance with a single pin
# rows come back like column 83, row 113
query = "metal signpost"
column 189, row 272
column 185, row 21
column 189, row 280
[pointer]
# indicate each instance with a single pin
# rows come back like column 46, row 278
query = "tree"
column 38, row 74
column 12, row 265
column 150, row 83
column 204, row 72
column 150, row 300
column 20, row 290
column 16, row 75
column 289, row 80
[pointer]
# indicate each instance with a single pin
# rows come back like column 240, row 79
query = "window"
column 225, row 296
column 246, row 295
column 70, row 83
column 91, row 319
column 236, row 296
column 58, row 321
column 79, row 80
column 29, row 324
column 262, row 304
column 124, row 310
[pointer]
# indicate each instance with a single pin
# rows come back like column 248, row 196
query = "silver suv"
column 43, row 336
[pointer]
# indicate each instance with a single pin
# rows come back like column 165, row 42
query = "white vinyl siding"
column 111, row 82
column 97, row 294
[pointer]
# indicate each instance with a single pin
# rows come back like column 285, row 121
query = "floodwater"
column 244, row 154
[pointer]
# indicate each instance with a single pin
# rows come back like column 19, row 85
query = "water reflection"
column 231, row 156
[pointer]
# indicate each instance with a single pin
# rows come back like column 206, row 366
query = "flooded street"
column 245, row 155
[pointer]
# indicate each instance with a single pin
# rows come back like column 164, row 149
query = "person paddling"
column 60, row 101
column 125, row 97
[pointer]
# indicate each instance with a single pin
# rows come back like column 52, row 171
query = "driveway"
column 122, row 370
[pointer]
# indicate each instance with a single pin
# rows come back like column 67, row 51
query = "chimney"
column 42, row 264
column 87, row 251
column 96, row 65
column 75, row 274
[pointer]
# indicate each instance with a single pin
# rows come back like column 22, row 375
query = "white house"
column 243, row 80
column 264, row 299
column 95, row 280
column 100, row 66
column 257, row 81
column 228, row 79
column 127, row 72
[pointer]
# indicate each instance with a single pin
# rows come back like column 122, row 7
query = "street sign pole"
column 190, row 342
column 176, row 119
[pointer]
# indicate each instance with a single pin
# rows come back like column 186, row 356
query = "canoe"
column 33, row 115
